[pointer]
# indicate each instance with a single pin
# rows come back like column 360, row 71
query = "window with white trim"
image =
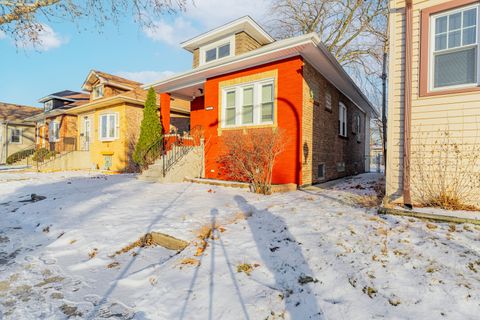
column 54, row 131
column 328, row 99
column 248, row 104
column 342, row 120
column 358, row 127
column 48, row 105
column 108, row 127
column 217, row 50
column 454, row 49
column 97, row 91
column 15, row 136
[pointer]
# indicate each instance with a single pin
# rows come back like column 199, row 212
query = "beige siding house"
column 434, row 100
column 16, row 134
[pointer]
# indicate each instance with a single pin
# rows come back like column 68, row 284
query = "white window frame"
column 100, row 127
column 48, row 105
column 10, row 136
column 257, row 103
column 342, row 119
column 217, row 44
column 328, row 99
column 54, row 131
column 432, row 51
column 95, row 94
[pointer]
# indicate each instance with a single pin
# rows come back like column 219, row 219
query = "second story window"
column 454, row 52
column 97, row 92
column 328, row 100
column 48, row 105
column 217, row 50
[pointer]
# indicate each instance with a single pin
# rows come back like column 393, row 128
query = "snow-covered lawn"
column 312, row 254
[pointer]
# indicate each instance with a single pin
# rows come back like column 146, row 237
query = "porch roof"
column 308, row 46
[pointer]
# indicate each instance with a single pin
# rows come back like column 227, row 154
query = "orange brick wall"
column 289, row 113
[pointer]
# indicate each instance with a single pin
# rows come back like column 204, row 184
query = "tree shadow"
column 282, row 255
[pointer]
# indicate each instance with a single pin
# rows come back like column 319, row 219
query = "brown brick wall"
column 245, row 43
column 320, row 127
column 196, row 57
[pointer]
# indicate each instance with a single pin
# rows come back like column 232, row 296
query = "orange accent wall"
column 165, row 111
column 289, row 103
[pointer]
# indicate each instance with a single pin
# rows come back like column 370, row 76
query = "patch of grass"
column 371, row 292
column 245, row 268
column 92, row 254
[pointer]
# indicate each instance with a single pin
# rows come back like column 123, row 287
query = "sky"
column 68, row 52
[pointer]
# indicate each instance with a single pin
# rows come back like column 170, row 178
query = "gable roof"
column 10, row 112
column 308, row 46
column 245, row 23
column 109, row 79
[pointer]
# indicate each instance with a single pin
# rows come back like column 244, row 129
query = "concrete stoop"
column 191, row 165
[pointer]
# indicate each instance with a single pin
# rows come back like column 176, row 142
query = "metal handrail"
column 175, row 151
column 17, row 156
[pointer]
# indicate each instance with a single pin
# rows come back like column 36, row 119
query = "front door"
column 86, row 134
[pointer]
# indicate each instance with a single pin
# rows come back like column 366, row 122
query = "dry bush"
column 250, row 156
column 445, row 172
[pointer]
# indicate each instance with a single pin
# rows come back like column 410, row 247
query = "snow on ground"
column 312, row 254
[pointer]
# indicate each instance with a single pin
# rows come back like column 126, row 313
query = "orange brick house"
column 242, row 79
column 56, row 129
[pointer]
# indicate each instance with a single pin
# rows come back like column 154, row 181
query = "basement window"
column 340, row 166
column 321, row 171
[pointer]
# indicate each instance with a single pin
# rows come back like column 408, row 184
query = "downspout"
column 407, row 200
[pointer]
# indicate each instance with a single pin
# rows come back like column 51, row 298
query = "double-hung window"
column 248, row 104
column 342, row 120
column 97, row 91
column 15, row 135
column 454, row 49
column 54, row 134
column 328, row 100
column 108, row 127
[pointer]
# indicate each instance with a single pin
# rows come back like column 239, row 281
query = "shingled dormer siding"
column 243, row 43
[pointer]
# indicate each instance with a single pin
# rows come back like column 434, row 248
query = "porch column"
column 165, row 111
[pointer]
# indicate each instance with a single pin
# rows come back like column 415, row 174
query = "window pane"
column 328, row 100
column 267, row 93
column 454, row 39
column 211, row 54
column 455, row 21
column 231, row 99
column 441, row 25
column 247, row 110
column 230, row 117
column 111, row 128
column 441, row 42
column 469, row 36
column 224, row 50
column 470, row 18
column 104, row 127
column 455, row 68
column 267, row 112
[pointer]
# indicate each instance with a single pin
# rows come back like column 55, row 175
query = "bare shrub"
column 445, row 171
column 250, row 156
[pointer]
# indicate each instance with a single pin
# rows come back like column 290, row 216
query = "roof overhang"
column 246, row 24
column 93, row 76
column 44, row 115
column 308, row 46
column 50, row 97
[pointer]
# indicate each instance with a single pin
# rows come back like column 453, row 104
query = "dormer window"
column 217, row 50
column 48, row 105
column 97, row 91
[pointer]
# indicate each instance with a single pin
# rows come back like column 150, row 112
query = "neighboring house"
column 109, row 124
column 243, row 79
column 56, row 129
column 16, row 133
column 434, row 99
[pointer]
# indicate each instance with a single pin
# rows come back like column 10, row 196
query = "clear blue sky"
column 67, row 55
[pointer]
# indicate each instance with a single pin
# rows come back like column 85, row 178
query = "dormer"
column 102, row 85
column 62, row 99
column 231, row 39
